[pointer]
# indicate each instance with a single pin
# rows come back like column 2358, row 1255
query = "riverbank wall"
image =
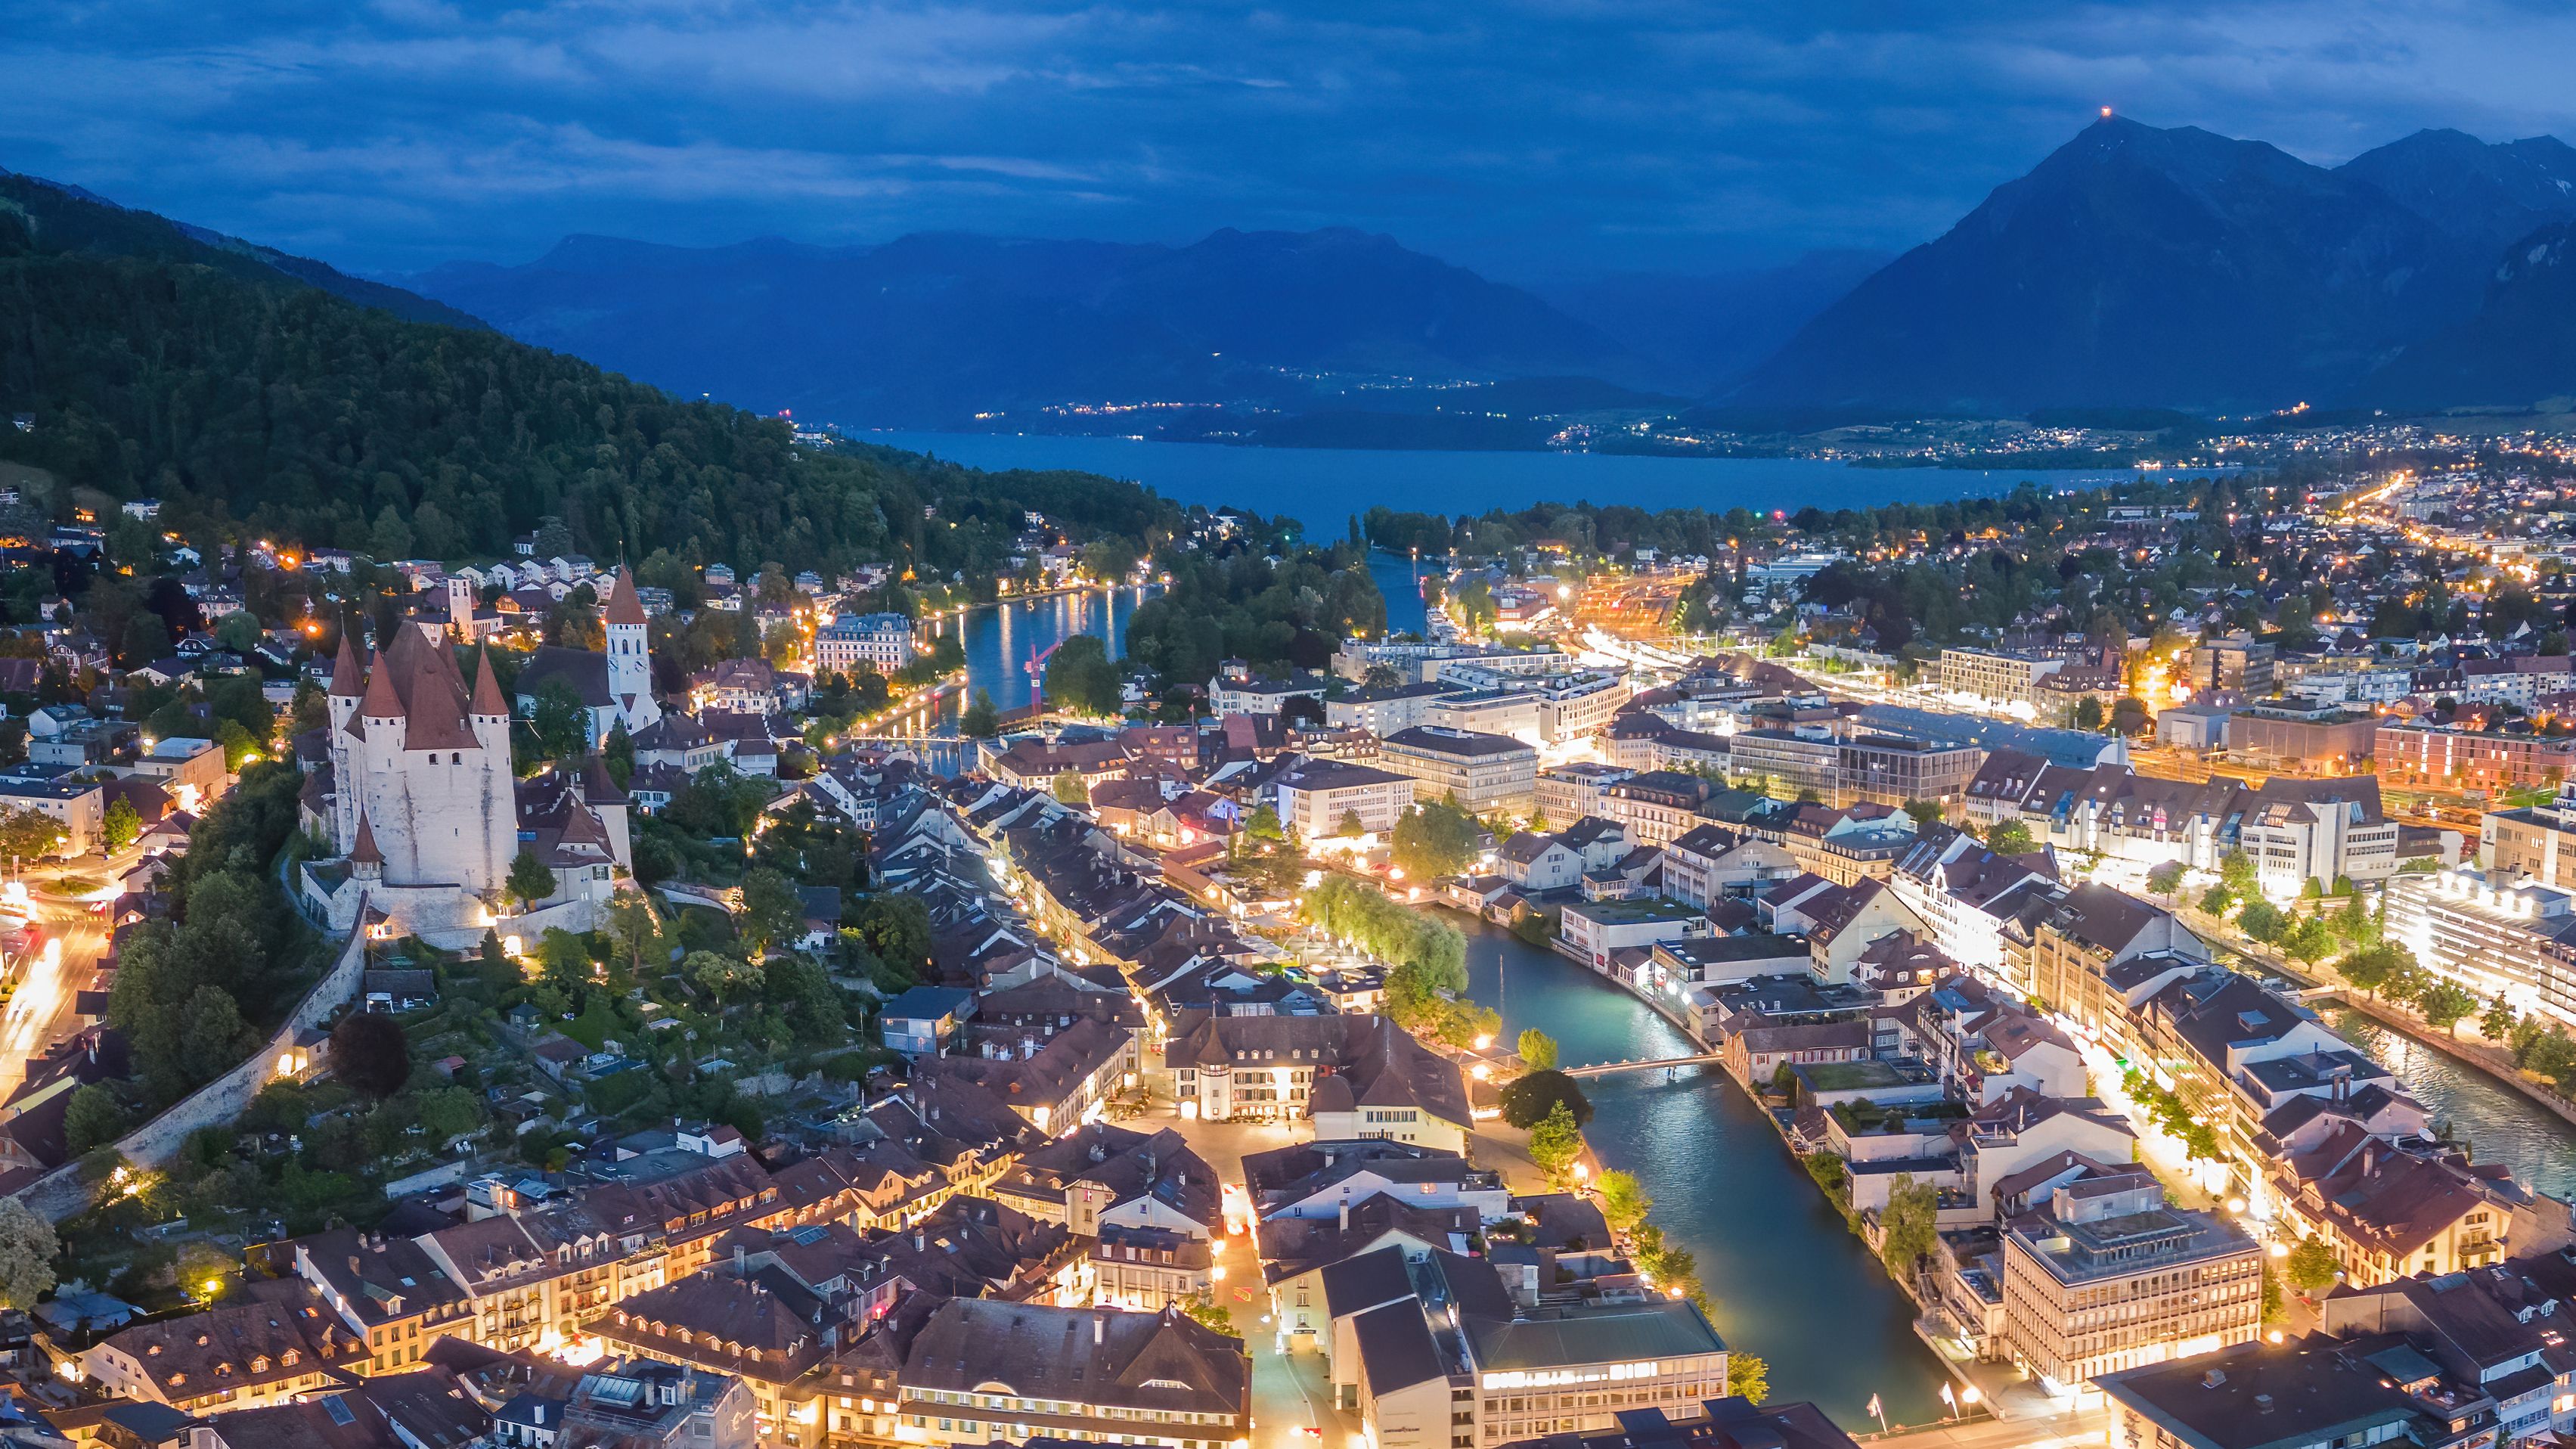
column 2495, row 1062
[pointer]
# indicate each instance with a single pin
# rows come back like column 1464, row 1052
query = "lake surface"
column 1323, row 487
column 1786, row 1280
column 2497, row 1123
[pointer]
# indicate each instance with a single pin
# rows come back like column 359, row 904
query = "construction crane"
column 1036, row 666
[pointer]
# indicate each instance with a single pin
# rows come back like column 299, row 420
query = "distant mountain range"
column 2132, row 268
column 2139, row 267
column 930, row 330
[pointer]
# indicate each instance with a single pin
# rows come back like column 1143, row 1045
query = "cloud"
column 1530, row 138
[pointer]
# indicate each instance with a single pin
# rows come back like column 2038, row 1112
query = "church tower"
column 630, row 662
column 460, row 608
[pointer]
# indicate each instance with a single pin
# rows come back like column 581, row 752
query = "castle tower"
column 630, row 663
column 489, row 716
column 347, row 684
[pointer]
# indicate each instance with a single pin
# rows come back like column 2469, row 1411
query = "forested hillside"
column 152, row 364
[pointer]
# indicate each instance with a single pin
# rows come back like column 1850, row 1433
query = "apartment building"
column 1992, row 678
column 2236, row 662
column 2109, row 1276
column 2515, row 940
column 1484, row 773
column 1440, row 1354
column 2538, row 842
column 1572, row 791
column 984, row 1370
column 2434, row 757
column 1317, row 799
column 881, row 642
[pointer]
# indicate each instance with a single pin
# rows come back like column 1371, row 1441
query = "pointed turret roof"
column 623, row 605
column 381, row 701
column 365, row 851
column 346, row 677
column 487, row 689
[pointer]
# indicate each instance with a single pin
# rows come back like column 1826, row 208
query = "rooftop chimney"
column 1099, row 1327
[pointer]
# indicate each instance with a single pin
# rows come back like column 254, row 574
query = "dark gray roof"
column 1366, row 1281
column 1396, row 1350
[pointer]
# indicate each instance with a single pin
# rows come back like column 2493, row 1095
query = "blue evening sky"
column 1530, row 140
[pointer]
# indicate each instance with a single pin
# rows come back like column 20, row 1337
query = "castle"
column 416, row 795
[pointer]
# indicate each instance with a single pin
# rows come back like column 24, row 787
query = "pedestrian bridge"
column 1604, row 1069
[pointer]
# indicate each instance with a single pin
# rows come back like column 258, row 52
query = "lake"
column 1323, row 487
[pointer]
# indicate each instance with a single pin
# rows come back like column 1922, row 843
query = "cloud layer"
column 1534, row 139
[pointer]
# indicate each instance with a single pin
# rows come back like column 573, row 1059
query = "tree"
column 897, row 928
column 1263, row 824
column 563, row 960
column 560, row 725
column 2372, row 967
column 1748, row 1376
column 1210, row 1312
column 2443, row 1004
column 2407, row 982
column 2499, row 1021
column 773, row 915
column 1069, row 788
column 1555, row 1142
column 1081, row 678
column 2311, row 1266
column 727, row 978
column 371, row 1053
column 981, row 720
column 28, row 1248
column 1624, row 1203
column 2166, row 879
column 2130, row 715
column 529, row 879
column 2263, row 921
column 2010, row 837
column 122, row 826
column 2236, row 872
column 1537, row 1050
column 29, row 834
column 1435, row 839
column 1532, row 1097
column 1925, row 812
column 2217, row 900
column 146, row 638
column 1350, row 826
column 2310, row 939
column 1907, row 1223
column 2088, row 713
column 94, row 1118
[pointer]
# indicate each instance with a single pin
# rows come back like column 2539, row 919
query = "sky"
column 1535, row 140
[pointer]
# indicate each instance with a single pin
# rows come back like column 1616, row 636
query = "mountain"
column 1703, row 330
column 2138, row 267
column 2519, row 350
column 2487, row 196
column 99, row 225
column 932, row 329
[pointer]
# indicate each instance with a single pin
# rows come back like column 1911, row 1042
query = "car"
column 1309, row 1431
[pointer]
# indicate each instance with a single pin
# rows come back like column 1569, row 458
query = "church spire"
column 623, row 605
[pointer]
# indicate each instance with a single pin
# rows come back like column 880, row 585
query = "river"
column 1324, row 487
column 2497, row 1123
column 1786, row 1280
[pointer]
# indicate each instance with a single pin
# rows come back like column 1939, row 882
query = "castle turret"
column 380, row 713
column 347, row 684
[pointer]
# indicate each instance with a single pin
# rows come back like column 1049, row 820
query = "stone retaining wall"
column 61, row 1193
